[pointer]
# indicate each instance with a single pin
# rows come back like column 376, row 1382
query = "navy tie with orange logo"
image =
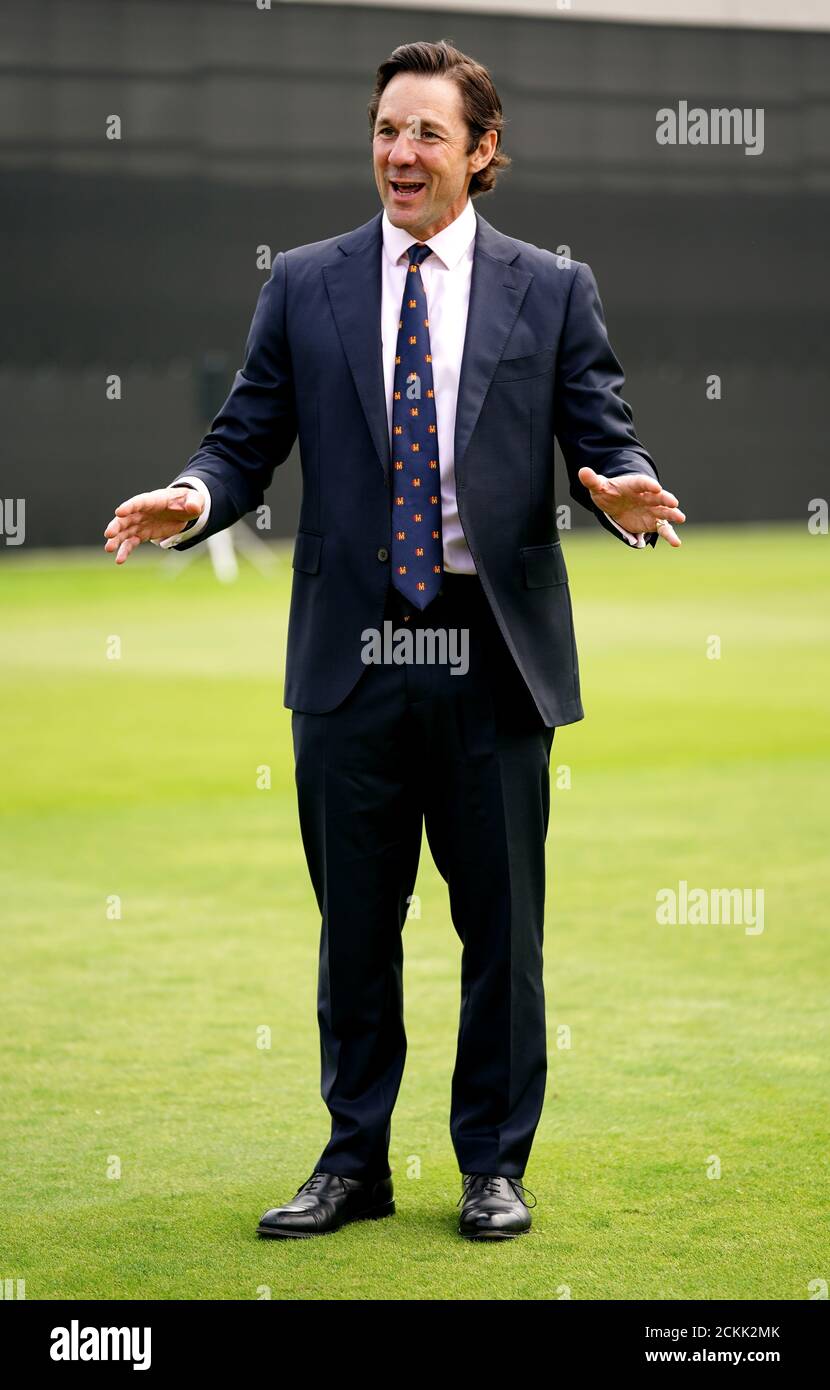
column 417, row 554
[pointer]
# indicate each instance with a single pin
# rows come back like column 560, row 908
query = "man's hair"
column 480, row 100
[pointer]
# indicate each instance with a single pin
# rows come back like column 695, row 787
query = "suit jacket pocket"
column 543, row 565
column 307, row 548
column 519, row 368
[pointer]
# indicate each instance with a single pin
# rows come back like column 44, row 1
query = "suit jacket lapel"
column 497, row 290
column 354, row 289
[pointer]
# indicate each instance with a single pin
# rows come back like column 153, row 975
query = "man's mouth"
column 405, row 189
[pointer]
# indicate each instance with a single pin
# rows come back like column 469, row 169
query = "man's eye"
column 387, row 130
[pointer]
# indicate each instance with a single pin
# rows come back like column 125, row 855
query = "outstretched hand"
column 151, row 516
column 636, row 501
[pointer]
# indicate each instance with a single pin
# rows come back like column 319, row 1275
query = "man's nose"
column 401, row 152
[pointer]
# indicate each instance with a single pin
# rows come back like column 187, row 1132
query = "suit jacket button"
column 383, row 553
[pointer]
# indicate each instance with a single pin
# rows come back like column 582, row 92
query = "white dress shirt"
column 446, row 276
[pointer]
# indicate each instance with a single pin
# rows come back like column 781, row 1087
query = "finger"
column 662, row 503
column 126, row 549
column 665, row 499
column 139, row 503
column 122, row 533
column 153, row 501
column 641, row 483
column 669, row 514
column 669, row 534
column 121, row 527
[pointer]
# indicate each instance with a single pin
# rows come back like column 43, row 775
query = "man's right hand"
column 151, row 516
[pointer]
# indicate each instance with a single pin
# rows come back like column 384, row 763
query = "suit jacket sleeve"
column 594, row 425
column 256, row 427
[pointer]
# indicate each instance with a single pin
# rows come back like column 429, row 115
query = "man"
column 425, row 361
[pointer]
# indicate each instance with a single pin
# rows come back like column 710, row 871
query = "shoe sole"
column 492, row 1235
column 373, row 1214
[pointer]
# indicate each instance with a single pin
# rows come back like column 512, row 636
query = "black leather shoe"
column 325, row 1202
column 493, row 1208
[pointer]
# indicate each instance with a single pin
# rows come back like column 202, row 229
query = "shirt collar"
column 449, row 244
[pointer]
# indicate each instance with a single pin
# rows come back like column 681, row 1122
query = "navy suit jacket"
column 537, row 365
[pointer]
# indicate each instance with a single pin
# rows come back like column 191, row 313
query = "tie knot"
column 418, row 252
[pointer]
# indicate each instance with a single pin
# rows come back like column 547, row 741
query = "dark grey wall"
column 243, row 127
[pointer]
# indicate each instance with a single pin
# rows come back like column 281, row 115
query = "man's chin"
column 402, row 215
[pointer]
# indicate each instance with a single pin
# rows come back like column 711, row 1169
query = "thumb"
column 188, row 500
column 591, row 480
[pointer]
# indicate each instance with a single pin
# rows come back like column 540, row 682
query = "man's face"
column 421, row 138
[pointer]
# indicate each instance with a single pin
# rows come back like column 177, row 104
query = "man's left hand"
column 636, row 501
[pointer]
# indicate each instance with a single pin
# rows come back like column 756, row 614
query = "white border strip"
column 739, row 14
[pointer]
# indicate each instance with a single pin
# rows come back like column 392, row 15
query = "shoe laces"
column 488, row 1183
column 311, row 1184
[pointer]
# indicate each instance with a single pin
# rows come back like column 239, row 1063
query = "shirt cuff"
column 192, row 531
column 638, row 541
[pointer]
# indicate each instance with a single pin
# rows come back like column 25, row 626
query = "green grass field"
column 132, row 1041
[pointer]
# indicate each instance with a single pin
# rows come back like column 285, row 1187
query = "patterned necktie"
column 417, row 552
